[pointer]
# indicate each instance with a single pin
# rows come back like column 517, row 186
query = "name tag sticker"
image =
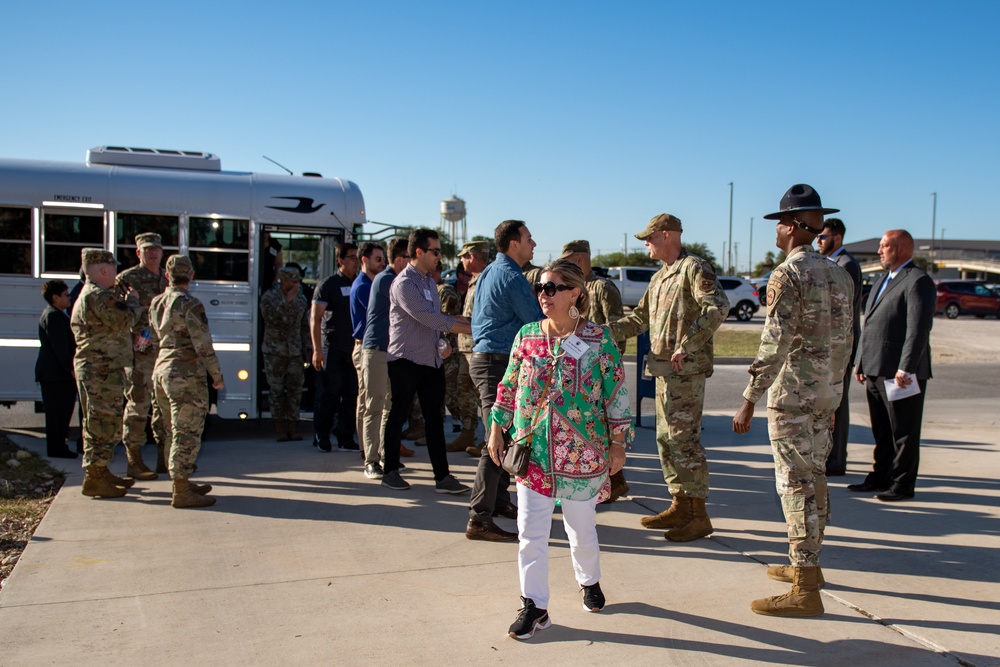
column 345, row 291
column 575, row 347
column 427, row 295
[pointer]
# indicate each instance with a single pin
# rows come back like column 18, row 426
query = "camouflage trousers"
column 800, row 444
column 139, row 400
column 284, row 377
column 468, row 395
column 182, row 400
column 101, row 392
column 679, row 402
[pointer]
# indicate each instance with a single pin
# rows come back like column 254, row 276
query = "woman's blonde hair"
column 571, row 275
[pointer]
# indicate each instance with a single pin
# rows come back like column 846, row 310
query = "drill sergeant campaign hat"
column 801, row 197
column 473, row 246
column 91, row 256
column 574, row 247
column 148, row 239
column 663, row 222
column 179, row 266
column 289, row 273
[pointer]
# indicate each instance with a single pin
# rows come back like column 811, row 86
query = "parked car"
column 631, row 281
column 966, row 297
column 743, row 297
column 760, row 284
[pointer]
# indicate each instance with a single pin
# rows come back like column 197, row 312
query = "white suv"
column 631, row 281
column 743, row 299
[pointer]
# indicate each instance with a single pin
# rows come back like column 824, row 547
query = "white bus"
column 50, row 210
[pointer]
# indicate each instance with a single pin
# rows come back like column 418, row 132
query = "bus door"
column 311, row 249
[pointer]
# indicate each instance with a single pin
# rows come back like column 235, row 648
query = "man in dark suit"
column 895, row 345
column 831, row 245
column 54, row 368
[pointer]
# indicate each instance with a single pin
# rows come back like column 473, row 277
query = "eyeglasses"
column 550, row 288
column 436, row 251
column 822, row 237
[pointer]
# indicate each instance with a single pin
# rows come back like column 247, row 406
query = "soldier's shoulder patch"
column 707, row 285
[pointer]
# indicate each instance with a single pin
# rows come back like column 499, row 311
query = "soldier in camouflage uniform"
column 605, row 307
column 682, row 308
column 286, row 347
column 531, row 272
column 180, row 326
column 149, row 281
column 102, row 325
column 804, row 350
column 474, row 256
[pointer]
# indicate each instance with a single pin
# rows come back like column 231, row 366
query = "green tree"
column 701, row 249
column 634, row 258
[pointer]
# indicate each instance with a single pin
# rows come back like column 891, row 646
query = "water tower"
column 453, row 219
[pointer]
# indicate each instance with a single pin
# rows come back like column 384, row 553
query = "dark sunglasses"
column 436, row 251
column 550, row 288
column 822, row 237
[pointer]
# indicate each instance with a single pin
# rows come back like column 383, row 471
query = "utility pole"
column 933, row 229
column 736, row 252
column 750, row 257
column 730, row 260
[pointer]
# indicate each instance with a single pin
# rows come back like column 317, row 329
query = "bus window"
column 130, row 225
column 220, row 248
column 15, row 241
column 65, row 235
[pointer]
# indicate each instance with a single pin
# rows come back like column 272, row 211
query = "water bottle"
column 443, row 345
column 145, row 338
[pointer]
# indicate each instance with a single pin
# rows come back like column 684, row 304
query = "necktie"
column 885, row 283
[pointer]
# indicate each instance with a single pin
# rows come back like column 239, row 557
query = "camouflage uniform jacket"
column 807, row 337
column 147, row 284
column 605, row 300
column 286, row 324
column 465, row 340
column 682, row 307
column 451, row 304
column 179, row 324
column 102, row 326
column 531, row 273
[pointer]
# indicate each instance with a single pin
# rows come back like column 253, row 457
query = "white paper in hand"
column 894, row 392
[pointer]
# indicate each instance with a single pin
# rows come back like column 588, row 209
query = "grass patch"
column 728, row 343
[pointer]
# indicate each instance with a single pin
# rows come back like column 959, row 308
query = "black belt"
column 495, row 355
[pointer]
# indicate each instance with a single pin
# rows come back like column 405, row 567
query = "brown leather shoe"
column 404, row 450
column 488, row 532
column 508, row 512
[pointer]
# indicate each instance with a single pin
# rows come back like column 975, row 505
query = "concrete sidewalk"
column 304, row 561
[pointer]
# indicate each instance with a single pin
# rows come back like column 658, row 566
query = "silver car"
column 743, row 298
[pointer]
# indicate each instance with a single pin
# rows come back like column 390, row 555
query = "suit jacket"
column 55, row 356
column 846, row 260
column 897, row 327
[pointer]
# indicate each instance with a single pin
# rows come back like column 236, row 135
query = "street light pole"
column 933, row 225
column 750, row 257
column 729, row 262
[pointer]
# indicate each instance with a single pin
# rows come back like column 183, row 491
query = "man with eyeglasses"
column 682, row 307
column 830, row 244
column 372, row 263
column 504, row 303
column 416, row 353
column 333, row 345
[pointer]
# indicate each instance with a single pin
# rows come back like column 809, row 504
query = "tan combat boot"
column 465, row 439
column 786, row 573
column 200, row 489
column 293, row 430
column 184, row 497
column 97, row 485
column 698, row 524
column 161, row 459
column 137, row 468
column 802, row 601
column 281, row 430
column 673, row 516
column 126, row 482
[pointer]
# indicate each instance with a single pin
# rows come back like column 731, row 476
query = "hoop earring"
column 574, row 312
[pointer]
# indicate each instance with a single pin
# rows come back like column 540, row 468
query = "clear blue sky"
column 582, row 118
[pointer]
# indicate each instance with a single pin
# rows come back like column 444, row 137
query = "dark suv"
column 966, row 297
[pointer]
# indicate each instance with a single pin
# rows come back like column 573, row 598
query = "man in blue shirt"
column 372, row 263
column 373, row 359
column 504, row 303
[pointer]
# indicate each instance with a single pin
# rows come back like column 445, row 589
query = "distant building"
column 971, row 260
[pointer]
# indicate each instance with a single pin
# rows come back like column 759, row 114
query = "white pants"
column 534, row 523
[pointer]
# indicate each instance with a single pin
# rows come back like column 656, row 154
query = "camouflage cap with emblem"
column 91, row 256
column 179, row 266
column 148, row 239
column 289, row 273
column 474, row 246
column 574, row 247
column 663, row 222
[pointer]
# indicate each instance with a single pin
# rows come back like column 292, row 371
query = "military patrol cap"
column 474, row 246
column 575, row 246
column 289, row 273
column 179, row 266
column 663, row 222
column 91, row 256
column 148, row 239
